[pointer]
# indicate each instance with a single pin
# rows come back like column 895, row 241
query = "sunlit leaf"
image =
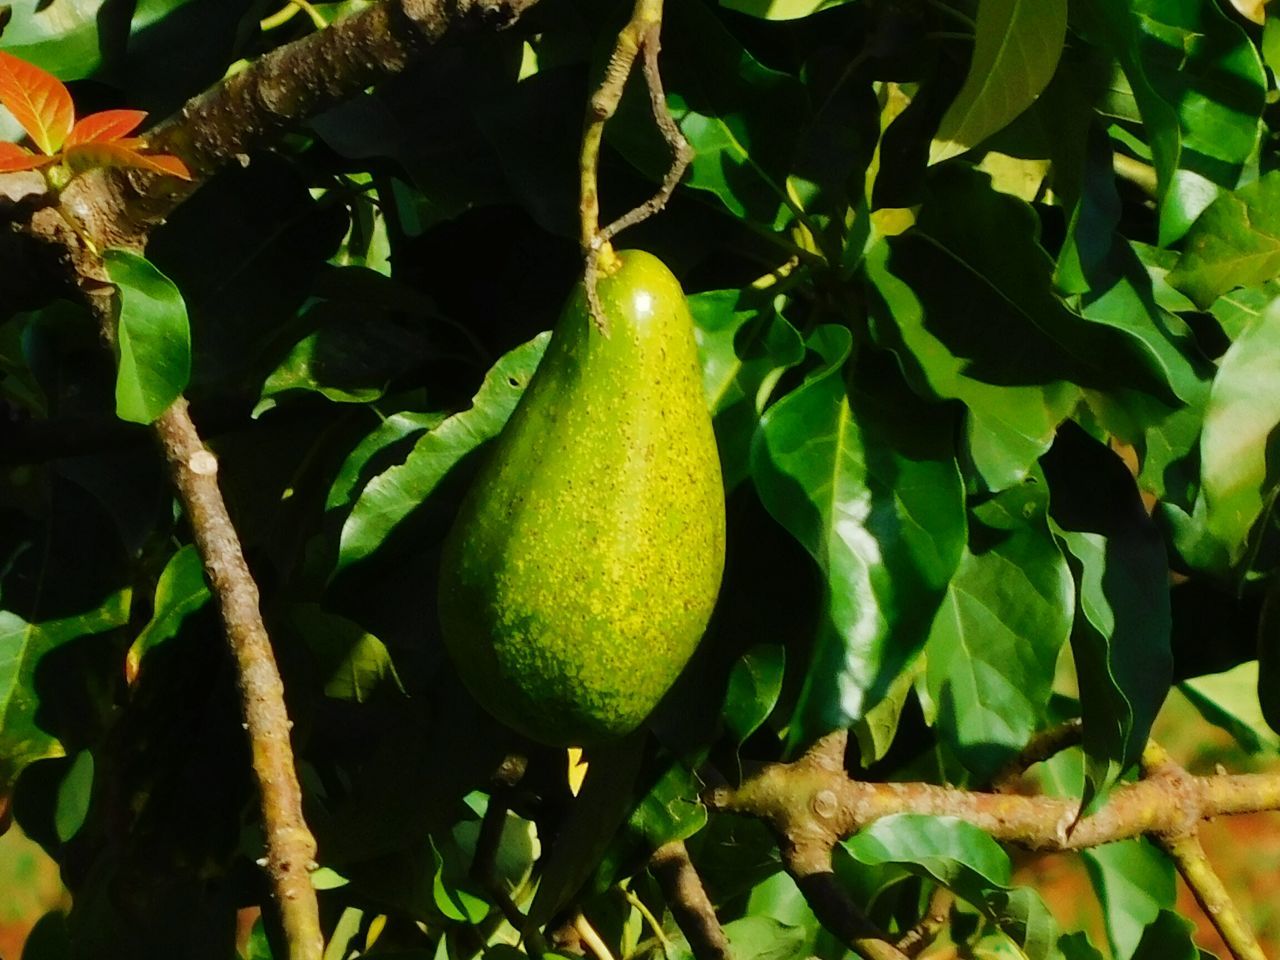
column 1016, row 49
column 87, row 156
column 14, row 158
column 38, row 100
column 180, row 592
column 1134, row 881
column 392, row 495
column 154, row 337
column 781, row 9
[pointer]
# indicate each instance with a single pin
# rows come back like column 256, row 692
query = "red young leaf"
column 14, row 157
column 37, row 100
column 86, row 156
column 107, row 125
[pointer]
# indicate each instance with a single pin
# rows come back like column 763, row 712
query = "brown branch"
column 936, row 914
column 687, row 899
column 107, row 208
column 809, row 863
column 1043, row 746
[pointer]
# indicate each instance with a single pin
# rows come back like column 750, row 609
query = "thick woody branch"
column 688, row 901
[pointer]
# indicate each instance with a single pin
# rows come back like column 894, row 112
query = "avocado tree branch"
column 111, row 208
column 688, row 901
column 812, row 804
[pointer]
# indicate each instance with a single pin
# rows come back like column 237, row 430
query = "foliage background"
column 961, row 272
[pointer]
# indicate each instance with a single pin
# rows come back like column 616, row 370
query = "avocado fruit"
column 584, row 562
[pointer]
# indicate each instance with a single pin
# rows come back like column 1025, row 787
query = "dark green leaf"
column 883, row 519
column 392, row 495
column 73, row 797
column 154, row 338
column 353, row 663
column 1016, row 49
column 1121, row 634
column 755, row 683
column 1168, row 937
column 22, row 645
column 994, row 645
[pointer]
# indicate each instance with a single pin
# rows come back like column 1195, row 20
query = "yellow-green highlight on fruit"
column 585, row 560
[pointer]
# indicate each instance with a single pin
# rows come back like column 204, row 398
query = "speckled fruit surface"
column 585, row 560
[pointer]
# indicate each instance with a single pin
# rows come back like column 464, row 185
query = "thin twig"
column 1207, row 887
column 688, row 902
column 654, row 923
column 936, row 914
column 1043, row 746
column 599, row 949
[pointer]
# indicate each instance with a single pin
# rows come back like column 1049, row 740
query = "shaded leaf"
column 392, row 495
column 180, row 592
column 353, row 663
column 1121, row 634
column 781, row 9
column 878, row 507
column 38, row 101
column 1016, row 49
column 22, row 645
column 1168, row 937
column 755, row 682
column 154, row 337
column 71, row 806
column 745, row 346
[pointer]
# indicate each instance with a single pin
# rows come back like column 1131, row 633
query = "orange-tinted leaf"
column 86, row 156
column 37, row 100
column 106, row 125
column 14, row 157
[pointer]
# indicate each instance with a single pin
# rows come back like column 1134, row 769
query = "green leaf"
column 451, row 897
column 353, row 663
column 1121, row 634
column 1242, row 414
column 1230, row 700
column 1134, row 881
column 154, row 338
column 1238, row 310
column 755, row 683
column 781, row 9
column 74, row 793
column 180, row 592
column 22, row 646
column 883, row 519
column 1016, row 49
column 1234, row 243
column 392, row 495
column 1168, row 937
column 351, row 477
column 994, row 645
column 745, row 346
column 757, row 938
column 671, row 810
column 62, row 38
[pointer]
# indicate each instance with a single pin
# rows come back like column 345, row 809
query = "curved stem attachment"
column 638, row 39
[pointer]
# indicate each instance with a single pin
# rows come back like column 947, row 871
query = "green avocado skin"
column 585, row 560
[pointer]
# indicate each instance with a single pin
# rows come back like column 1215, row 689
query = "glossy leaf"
column 38, row 100
column 105, row 125
column 883, row 522
column 154, row 337
column 63, row 38
column 1016, row 50
column 397, row 427
column 1242, row 414
column 1134, row 881
column 1121, row 634
column 392, row 495
column 745, row 346
column 1234, row 243
column 180, row 592
column 993, row 648
column 22, row 646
